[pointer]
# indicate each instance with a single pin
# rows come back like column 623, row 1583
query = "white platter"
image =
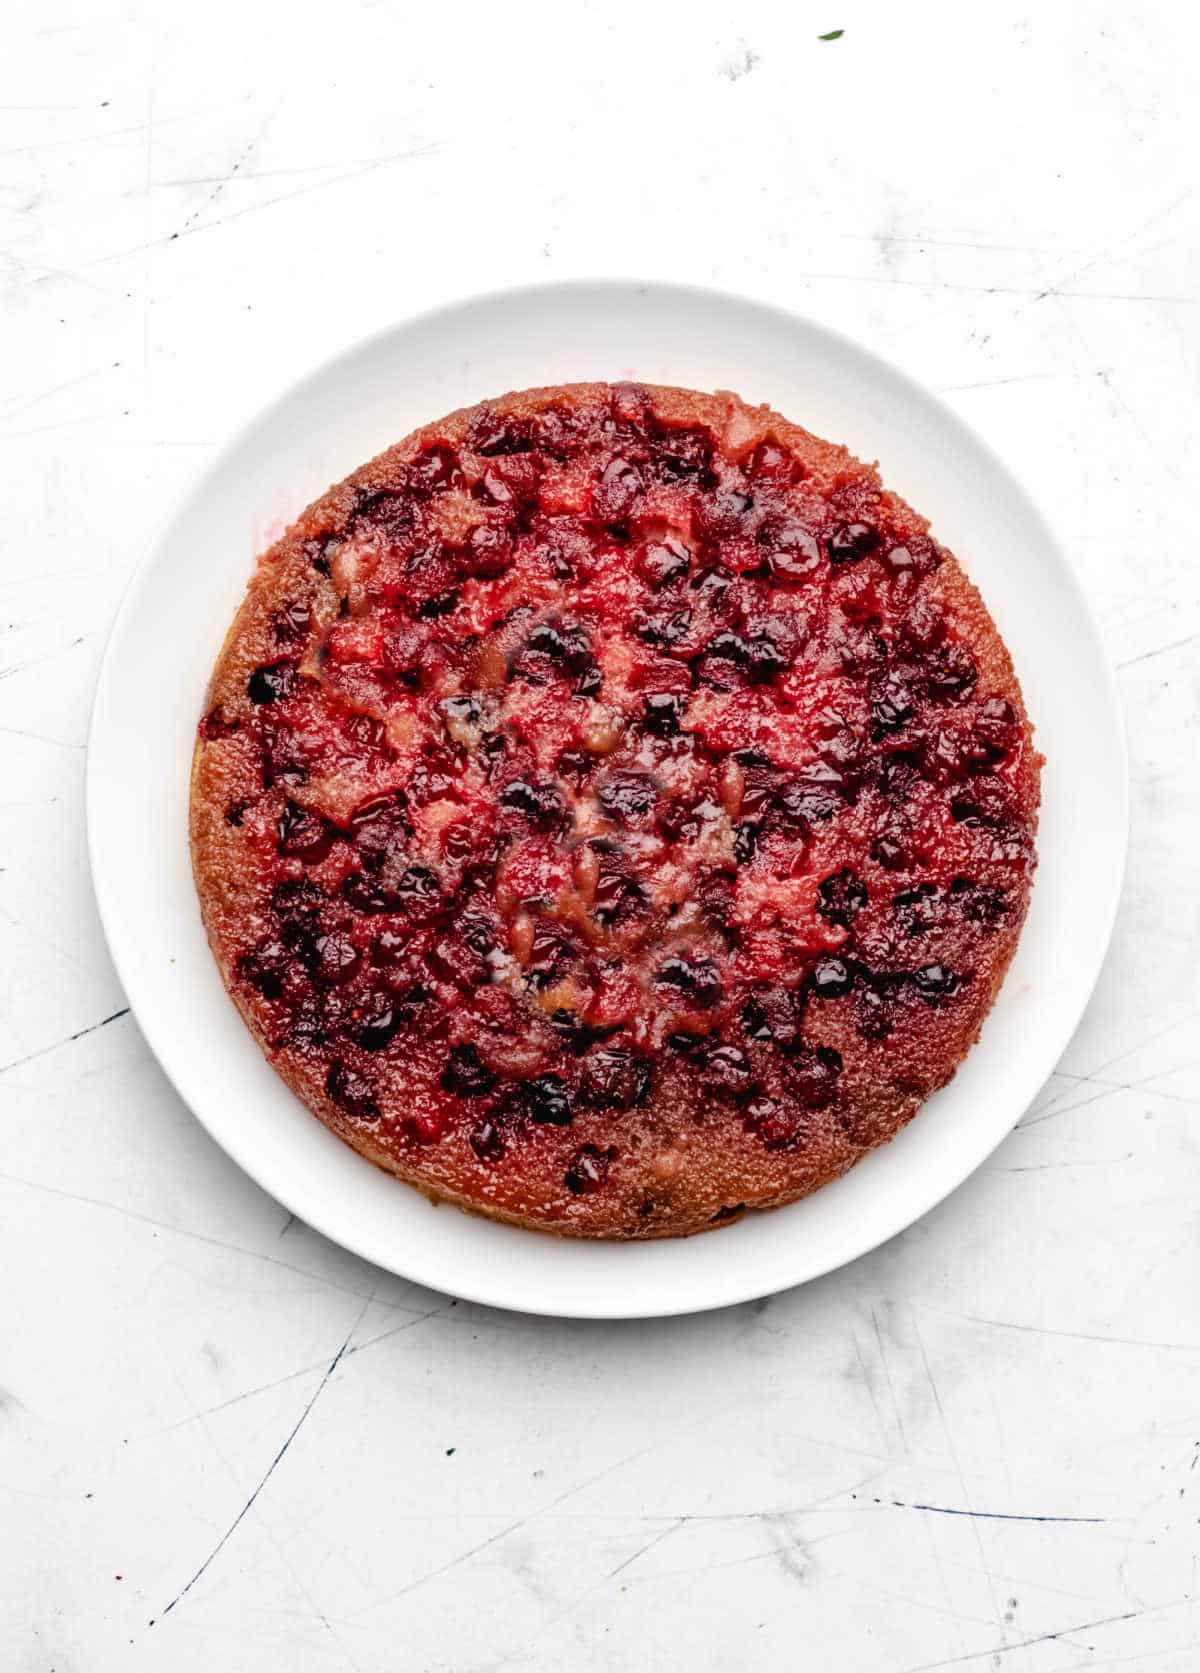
column 171, row 625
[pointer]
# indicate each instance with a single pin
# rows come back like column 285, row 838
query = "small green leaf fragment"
column 833, row 35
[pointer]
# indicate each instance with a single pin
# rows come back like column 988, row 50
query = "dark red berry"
column 379, row 1026
column 662, row 561
column 662, row 627
column 538, row 800
column 615, row 494
column 489, row 551
column 917, row 556
column 394, row 513
column 441, row 604
column 614, row 1078
column 303, row 834
column 811, row 1076
column 662, row 712
column 841, row 897
column 574, row 765
column 888, row 853
column 996, row 730
column 433, row 469
column 265, row 966
column 547, row 1102
column 495, row 435
column 460, row 956
column 745, row 840
column 923, row 627
column 773, row 1015
column 589, row 1169
column 793, row 552
column 617, row 897
column 551, row 954
column 465, row 1075
column 779, row 1125
column 366, row 893
column 947, row 757
column 684, row 454
column 816, row 793
column 892, row 703
column 772, row 462
column 272, row 683
column 727, row 1070
column 487, row 1142
column 337, row 959
column 627, row 796
column 284, row 760
column 723, row 512
column 850, row 542
column 935, row 982
column 420, row 895
column 380, row 828
column 351, row 1092
column 695, row 978
column 919, row 909
column 949, row 673
column 831, row 978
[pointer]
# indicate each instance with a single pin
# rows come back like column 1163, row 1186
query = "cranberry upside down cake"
column 613, row 810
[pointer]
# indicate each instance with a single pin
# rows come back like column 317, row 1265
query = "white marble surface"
column 225, row 1443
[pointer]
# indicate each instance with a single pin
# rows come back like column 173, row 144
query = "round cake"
column 613, row 810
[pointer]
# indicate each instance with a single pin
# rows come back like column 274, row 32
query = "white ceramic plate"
column 170, row 628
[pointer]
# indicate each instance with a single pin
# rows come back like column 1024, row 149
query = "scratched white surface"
column 224, row 1443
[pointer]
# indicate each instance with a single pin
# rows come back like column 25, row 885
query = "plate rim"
column 625, row 1304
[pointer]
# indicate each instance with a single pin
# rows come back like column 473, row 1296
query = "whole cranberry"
column 272, row 683
column 588, row 1170
column 614, row 1078
column 351, row 1092
column 850, row 542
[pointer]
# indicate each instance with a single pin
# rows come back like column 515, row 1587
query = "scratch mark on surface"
column 274, row 1464
column 869, row 1385
column 520, row 1649
column 996, row 383
column 501, row 1534
column 1041, row 1638
column 244, row 157
column 269, row 203
column 15, row 668
column 887, row 1371
column 1053, row 1108
column 1109, row 250
column 962, row 1479
column 80, row 1033
column 292, row 1376
column 39, row 737
column 56, row 389
column 1160, row 650
column 1082, row 1335
column 990, row 1515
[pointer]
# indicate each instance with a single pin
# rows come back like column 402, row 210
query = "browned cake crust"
column 612, row 810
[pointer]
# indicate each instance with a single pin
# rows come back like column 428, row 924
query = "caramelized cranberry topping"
column 631, row 770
